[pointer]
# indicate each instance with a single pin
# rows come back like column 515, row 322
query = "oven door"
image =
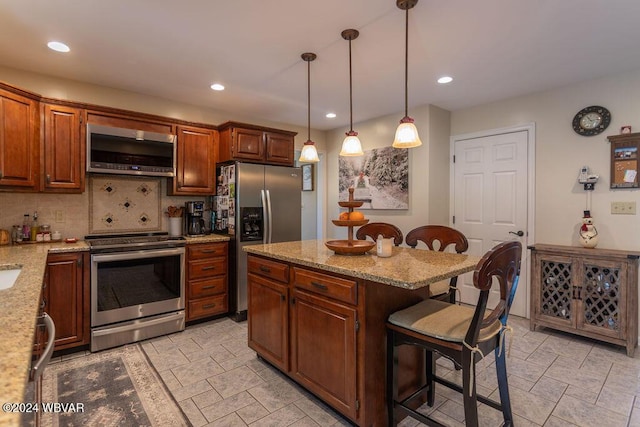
column 132, row 285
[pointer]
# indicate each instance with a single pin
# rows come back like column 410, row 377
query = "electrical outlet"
column 59, row 216
column 623, row 208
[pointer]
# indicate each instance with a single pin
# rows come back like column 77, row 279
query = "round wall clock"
column 591, row 120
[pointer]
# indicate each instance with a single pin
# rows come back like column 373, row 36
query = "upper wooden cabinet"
column 64, row 149
column 19, row 141
column 240, row 141
column 196, row 162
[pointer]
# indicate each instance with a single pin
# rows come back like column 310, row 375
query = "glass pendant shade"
column 309, row 153
column 351, row 145
column 406, row 135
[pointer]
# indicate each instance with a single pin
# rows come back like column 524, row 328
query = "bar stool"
column 460, row 333
column 445, row 236
column 373, row 229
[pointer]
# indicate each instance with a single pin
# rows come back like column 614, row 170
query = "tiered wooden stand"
column 350, row 246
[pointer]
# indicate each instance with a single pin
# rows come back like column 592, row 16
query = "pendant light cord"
column 406, row 64
column 308, row 100
column 350, row 92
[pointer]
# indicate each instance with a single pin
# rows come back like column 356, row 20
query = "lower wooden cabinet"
column 207, row 280
column 589, row 292
column 66, row 297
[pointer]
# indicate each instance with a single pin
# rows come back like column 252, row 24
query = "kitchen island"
column 320, row 317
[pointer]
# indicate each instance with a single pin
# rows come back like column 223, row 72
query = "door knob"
column 518, row 233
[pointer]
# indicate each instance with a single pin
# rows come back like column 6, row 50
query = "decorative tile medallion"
column 124, row 204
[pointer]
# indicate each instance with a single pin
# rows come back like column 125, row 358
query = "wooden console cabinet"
column 588, row 292
column 207, row 280
column 66, row 297
column 240, row 141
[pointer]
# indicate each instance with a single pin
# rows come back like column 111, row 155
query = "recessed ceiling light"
column 58, row 46
column 217, row 86
column 330, row 115
column 445, row 79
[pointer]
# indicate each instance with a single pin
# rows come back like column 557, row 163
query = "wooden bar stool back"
column 462, row 334
column 444, row 237
column 373, row 229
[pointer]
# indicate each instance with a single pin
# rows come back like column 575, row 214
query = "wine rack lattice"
column 556, row 289
column 601, row 296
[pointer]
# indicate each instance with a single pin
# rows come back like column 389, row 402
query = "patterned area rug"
column 117, row 387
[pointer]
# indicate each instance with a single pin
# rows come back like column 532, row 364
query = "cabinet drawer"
column 207, row 287
column 208, row 250
column 333, row 287
column 208, row 306
column 207, row 268
column 271, row 269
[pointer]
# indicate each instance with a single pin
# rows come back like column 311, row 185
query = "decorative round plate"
column 347, row 222
column 354, row 247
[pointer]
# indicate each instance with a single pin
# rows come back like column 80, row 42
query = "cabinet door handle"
column 48, row 179
column 208, row 306
column 208, row 287
column 320, row 286
column 208, row 251
column 282, row 297
column 265, row 269
column 210, row 267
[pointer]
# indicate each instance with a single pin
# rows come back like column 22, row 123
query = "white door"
column 490, row 202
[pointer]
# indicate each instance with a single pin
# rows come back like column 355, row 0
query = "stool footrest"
column 456, row 387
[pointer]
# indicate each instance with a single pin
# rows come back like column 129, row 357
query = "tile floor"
column 555, row 380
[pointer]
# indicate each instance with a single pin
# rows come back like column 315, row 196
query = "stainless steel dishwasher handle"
column 38, row 367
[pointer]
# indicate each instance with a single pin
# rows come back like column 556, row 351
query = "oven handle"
column 149, row 253
column 97, row 332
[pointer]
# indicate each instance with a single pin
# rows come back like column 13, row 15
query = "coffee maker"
column 194, row 218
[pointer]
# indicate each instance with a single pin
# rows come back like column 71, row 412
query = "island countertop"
column 406, row 267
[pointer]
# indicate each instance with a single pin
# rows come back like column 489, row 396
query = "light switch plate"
column 623, row 208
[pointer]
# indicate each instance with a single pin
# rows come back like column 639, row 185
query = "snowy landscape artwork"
column 380, row 178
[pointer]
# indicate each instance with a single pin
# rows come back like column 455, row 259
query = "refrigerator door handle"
column 269, row 213
column 264, row 217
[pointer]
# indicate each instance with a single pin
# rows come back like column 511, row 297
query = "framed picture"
column 625, row 165
column 307, row 177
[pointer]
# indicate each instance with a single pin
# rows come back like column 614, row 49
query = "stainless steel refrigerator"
column 254, row 204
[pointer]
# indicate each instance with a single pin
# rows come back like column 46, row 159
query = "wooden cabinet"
column 589, row 292
column 196, row 161
column 307, row 327
column 239, row 141
column 324, row 322
column 66, row 297
column 268, row 303
column 19, row 140
column 64, row 149
column 207, row 280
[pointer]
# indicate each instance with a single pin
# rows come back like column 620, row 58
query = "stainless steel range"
column 137, row 287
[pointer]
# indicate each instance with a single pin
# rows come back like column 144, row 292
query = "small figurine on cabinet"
column 588, row 233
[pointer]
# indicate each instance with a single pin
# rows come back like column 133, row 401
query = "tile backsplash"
column 73, row 210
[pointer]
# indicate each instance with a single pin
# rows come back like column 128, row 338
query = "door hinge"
column 79, row 262
column 454, row 219
column 357, row 404
column 454, row 158
column 357, row 325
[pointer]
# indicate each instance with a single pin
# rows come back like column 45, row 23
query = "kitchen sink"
column 8, row 275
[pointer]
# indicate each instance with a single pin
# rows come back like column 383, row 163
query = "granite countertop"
column 406, row 268
column 19, row 307
column 209, row 238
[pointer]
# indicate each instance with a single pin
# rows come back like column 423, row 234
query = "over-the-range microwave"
column 130, row 151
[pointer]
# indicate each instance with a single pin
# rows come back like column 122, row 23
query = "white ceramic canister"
column 384, row 246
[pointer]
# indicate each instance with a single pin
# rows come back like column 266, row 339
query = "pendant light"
column 351, row 145
column 407, row 133
column 309, row 153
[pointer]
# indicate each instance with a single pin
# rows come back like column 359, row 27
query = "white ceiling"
column 494, row 49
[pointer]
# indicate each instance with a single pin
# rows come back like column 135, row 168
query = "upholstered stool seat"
column 442, row 320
